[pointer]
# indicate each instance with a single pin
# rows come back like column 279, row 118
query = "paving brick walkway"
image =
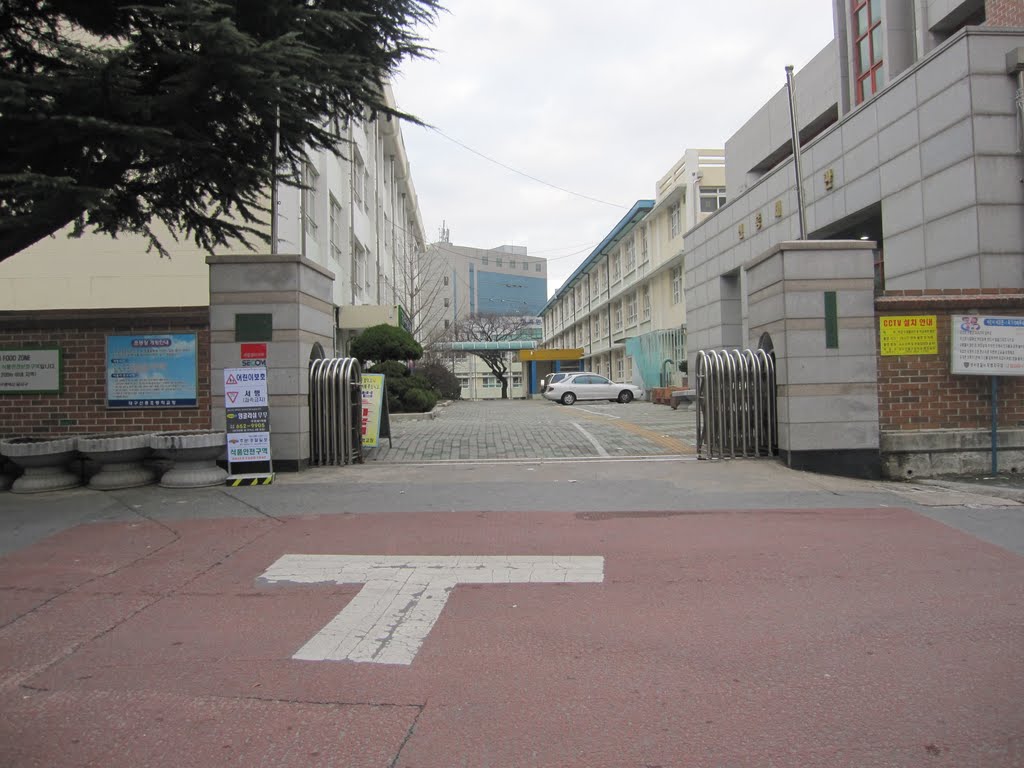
column 538, row 429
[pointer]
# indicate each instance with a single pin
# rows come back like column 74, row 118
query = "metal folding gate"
column 736, row 413
column 335, row 411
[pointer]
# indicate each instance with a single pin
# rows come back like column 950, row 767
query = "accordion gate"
column 736, row 411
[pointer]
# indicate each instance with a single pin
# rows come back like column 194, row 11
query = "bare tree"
column 491, row 327
column 420, row 285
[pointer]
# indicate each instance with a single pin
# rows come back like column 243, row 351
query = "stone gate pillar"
column 286, row 302
column 815, row 298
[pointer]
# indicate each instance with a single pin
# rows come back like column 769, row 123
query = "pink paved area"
column 857, row 638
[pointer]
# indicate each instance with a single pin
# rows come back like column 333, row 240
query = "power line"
column 489, row 159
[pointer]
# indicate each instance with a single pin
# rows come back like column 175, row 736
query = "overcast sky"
column 597, row 97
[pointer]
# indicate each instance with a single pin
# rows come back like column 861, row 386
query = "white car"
column 590, row 386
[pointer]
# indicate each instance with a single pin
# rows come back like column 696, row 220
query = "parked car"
column 590, row 386
column 551, row 378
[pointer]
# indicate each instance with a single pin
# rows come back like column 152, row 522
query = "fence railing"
column 335, row 411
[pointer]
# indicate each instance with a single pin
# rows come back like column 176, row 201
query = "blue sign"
column 156, row 370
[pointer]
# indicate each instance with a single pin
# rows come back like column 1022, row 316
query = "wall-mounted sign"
column 984, row 345
column 152, row 371
column 253, row 354
column 30, row 371
column 908, row 335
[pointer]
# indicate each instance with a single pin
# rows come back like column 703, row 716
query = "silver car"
column 591, row 386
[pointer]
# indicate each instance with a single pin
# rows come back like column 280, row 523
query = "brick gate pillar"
column 284, row 301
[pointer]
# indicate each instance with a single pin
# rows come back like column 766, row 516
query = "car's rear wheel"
column 625, row 396
column 568, row 398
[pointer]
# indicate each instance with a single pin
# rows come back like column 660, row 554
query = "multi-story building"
column 625, row 304
column 911, row 137
column 359, row 219
column 460, row 281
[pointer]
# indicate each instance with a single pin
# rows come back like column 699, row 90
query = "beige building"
column 625, row 304
column 360, row 221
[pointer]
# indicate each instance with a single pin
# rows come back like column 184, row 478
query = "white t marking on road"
column 401, row 598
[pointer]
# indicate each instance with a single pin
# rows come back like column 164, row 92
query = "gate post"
column 815, row 298
column 285, row 301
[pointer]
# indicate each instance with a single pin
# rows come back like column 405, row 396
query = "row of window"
column 512, row 264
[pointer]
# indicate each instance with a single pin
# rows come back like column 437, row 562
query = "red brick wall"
column 919, row 392
column 81, row 334
column 1004, row 13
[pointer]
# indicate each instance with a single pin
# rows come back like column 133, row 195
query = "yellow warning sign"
column 908, row 335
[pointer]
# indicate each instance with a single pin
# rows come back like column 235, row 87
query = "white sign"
column 387, row 622
column 245, row 387
column 984, row 345
column 29, row 371
column 249, row 446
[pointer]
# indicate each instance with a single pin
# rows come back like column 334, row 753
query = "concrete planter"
column 194, row 455
column 120, row 459
column 44, row 461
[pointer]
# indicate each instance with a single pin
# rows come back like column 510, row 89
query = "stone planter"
column 120, row 459
column 44, row 461
column 194, row 455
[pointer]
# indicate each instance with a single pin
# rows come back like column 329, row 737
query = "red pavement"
column 855, row 638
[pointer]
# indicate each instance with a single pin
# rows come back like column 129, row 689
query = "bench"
column 685, row 396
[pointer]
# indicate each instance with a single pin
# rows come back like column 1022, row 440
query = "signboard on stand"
column 375, row 416
column 247, row 418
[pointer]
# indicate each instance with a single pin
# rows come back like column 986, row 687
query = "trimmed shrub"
column 385, row 342
column 441, row 379
column 419, row 400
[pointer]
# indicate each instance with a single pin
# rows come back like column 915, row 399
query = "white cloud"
column 594, row 96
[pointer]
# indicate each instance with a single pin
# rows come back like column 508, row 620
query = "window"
column 536, row 267
column 620, row 369
column 360, row 277
column 526, row 267
column 644, row 256
column 511, row 263
column 517, row 380
column 616, row 267
column 485, row 260
column 647, row 302
column 868, row 67
column 631, row 309
column 447, row 302
column 358, row 179
column 337, row 238
column 446, row 280
column 447, row 323
column 618, row 314
column 677, row 284
column 497, row 261
column 711, row 199
column 674, row 223
column 464, row 382
column 630, row 254
column 309, row 182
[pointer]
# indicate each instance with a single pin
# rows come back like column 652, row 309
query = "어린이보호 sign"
column 245, row 388
column 373, row 395
column 157, row 370
column 30, row 371
column 987, row 345
column 908, row 335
